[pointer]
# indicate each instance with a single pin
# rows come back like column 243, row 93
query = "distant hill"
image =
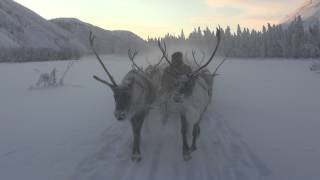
column 26, row 36
column 108, row 42
column 309, row 11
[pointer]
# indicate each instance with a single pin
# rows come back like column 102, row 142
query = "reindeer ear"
column 128, row 83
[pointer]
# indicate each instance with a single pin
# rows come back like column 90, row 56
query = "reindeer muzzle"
column 120, row 115
column 177, row 98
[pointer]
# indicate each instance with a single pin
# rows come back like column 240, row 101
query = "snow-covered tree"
column 291, row 41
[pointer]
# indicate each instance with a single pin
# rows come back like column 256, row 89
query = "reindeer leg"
column 38, row 83
column 185, row 146
column 195, row 136
column 136, row 124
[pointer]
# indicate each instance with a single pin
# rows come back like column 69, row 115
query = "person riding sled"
column 171, row 75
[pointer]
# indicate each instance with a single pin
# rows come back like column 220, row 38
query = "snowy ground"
column 263, row 124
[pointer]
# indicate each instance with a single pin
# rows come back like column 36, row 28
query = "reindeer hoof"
column 187, row 156
column 193, row 148
column 136, row 157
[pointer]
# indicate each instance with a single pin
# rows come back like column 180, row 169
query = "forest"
column 292, row 40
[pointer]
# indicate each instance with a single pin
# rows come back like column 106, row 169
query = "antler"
column 132, row 54
column 218, row 67
column 103, row 81
column 203, row 56
column 221, row 63
column 154, row 67
column 195, row 59
column 163, row 49
column 158, row 64
column 114, row 84
column 212, row 55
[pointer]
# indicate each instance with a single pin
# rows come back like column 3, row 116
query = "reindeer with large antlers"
column 132, row 97
column 190, row 98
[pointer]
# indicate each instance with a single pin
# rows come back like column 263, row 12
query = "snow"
column 315, row 66
column 263, row 124
column 278, row 106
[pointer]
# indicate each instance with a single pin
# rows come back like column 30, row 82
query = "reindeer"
column 191, row 99
column 133, row 97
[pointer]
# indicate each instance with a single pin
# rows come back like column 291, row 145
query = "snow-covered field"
column 264, row 124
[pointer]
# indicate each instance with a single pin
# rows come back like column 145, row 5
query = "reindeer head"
column 184, row 88
column 121, row 93
column 122, row 97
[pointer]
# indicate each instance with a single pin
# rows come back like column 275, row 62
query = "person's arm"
column 164, row 79
column 187, row 69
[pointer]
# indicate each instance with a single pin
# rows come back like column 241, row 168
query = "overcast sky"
column 157, row 17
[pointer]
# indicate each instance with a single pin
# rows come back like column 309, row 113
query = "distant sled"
column 49, row 80
column 315, row 66
column 44, row 87
column 56, row 87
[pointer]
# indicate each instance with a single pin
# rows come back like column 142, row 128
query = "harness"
column 161, row 103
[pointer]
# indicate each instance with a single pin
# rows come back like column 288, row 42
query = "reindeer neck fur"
column 141, row 89
column 200, row 97
column 196, row 84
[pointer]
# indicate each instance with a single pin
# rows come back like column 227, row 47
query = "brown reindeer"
column 133, row 97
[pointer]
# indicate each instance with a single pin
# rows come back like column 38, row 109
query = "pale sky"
column 158, row 17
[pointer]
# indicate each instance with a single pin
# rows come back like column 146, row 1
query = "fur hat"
column 176, row 58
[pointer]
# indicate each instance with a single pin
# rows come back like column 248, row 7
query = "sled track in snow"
column 221, row 154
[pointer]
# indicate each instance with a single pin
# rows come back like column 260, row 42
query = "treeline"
column 287, row 41
column 25, row 54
